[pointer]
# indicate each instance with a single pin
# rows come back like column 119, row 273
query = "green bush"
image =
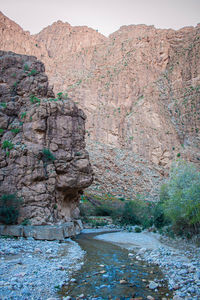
column 182, row 200
column 34, row 99
column 7, row 145
column 97, row 223
column 15, row 130
column 26, row 222
column 26, row 67
column 9, row 208
column 159, row 218
column 47, row 155
column 138, row 229
column 103, row 210
column 3, row 104
column 60, row 95
column 32, row 72
column 23, row 115
column 130, row 214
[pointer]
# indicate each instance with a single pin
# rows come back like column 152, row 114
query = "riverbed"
column 117, row 265
column 110, row 272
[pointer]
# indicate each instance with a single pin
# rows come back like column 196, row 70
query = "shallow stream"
column 105, row 265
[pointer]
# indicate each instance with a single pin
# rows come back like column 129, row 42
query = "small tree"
column 182, row 204
column 9, row 208
column 48, row 156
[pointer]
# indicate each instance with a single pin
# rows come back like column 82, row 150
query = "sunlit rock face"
column 140, row 90
column 43, row 157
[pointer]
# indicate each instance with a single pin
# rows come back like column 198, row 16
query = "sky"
column 106, row 16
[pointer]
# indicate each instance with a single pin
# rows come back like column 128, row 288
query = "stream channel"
column 105, row 265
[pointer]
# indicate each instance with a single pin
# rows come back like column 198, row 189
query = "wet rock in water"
column 123, row 281
column 49, row 251
column 37, row 250
column 177, row 298
column 103, row 286
column 153, row 285
column 102, row 272
column 150, row 298
column 73, row 280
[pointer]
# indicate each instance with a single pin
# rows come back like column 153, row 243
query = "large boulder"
column 42, row 143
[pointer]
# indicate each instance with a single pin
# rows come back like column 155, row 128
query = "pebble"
column 150, row 298
column 49, row 251
column 123, row 281
column 153, row 285
column 181, row 272
column 33, row 276
column 38, row 250
column 177, row 298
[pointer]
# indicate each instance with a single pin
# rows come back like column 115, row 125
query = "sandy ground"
column 132, row 240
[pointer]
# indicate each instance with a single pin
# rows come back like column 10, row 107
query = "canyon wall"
column 43, row 158
column 140, row 90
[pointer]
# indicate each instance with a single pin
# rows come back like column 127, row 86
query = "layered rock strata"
column 140, row 90
column 43, row 157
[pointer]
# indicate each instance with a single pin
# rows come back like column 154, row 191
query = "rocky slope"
column 43, row 157
column 140, row 89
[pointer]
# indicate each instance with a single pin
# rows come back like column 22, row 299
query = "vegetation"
column 26, row 67
column 34, row 99
column 26, row 222
column 60, row 95
column 138, row 229
column 23, row 115
column 3, row 104
column 47, row 155
column 9, row 208
column 181, row 202
column 177, row 212
column 7, row 145
column 32, row 72
column 15, row 130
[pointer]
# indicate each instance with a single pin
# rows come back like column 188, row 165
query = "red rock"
column 139, row 89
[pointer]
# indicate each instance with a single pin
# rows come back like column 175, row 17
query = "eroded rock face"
column 43, row 157
column 140, row 90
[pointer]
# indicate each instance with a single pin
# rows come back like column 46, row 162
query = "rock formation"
column 140, row 90
column 43, row 157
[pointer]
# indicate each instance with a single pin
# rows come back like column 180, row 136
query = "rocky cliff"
column 43, row 157
column 140, row 90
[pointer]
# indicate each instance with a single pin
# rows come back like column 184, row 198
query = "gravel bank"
column 179, row 262
column 31, row 269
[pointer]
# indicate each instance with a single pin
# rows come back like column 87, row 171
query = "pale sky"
column 105, row 15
